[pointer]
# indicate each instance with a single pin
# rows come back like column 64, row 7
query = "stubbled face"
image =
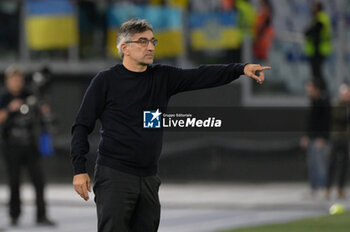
column 15, row 83
column 139, row 53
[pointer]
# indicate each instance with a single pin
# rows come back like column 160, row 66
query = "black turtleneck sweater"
column 117, row 97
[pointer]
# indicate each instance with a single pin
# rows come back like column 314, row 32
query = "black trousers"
column 316, row 63
column 338, row 163
column 16, row 157
column 126, row 203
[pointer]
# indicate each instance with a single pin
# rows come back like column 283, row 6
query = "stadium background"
column 76, row 39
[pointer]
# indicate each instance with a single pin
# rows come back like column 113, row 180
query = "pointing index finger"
column 265, row 68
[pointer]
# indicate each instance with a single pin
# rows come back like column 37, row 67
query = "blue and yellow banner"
column 166, row 23
column 217, row 30
column 50, row 24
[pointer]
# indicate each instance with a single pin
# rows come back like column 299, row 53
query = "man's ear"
column 125, row 49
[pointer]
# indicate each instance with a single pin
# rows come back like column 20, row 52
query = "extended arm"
column 207, row 76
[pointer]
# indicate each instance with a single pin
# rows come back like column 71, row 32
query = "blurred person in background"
column 9, row 24
column 340, row 137
column 318, row 44
column 245, row 24
column 126, row 184
column 316, row 142
column 88, row 18
column 92, row 27
column 264, row 32
column 246, row 17
column 19, row 120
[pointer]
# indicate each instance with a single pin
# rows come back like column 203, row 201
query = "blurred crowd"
column 279, row 33
column 93, row 23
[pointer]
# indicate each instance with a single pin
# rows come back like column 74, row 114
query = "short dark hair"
column 129, row 29
column 319, row 6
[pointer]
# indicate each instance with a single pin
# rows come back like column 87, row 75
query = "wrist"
column 244, row 68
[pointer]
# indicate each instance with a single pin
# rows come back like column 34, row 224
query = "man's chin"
column 148, row 61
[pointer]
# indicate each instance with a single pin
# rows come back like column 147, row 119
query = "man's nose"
column 150, row 46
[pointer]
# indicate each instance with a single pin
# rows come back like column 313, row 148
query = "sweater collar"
column 127, row 71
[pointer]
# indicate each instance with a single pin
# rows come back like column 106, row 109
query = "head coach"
column 126, row 183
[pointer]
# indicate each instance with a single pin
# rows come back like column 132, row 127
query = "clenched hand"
column 81, row 183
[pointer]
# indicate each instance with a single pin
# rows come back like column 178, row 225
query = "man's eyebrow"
column 145, row 38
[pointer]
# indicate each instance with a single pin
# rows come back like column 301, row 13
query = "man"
column 316, row 142
column 18, row 121
column 318, row 40
column 340, row 136
column 126, row 185
column 264, row 31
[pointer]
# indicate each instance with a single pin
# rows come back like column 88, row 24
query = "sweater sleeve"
column 90, row 110
column 205, row 76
